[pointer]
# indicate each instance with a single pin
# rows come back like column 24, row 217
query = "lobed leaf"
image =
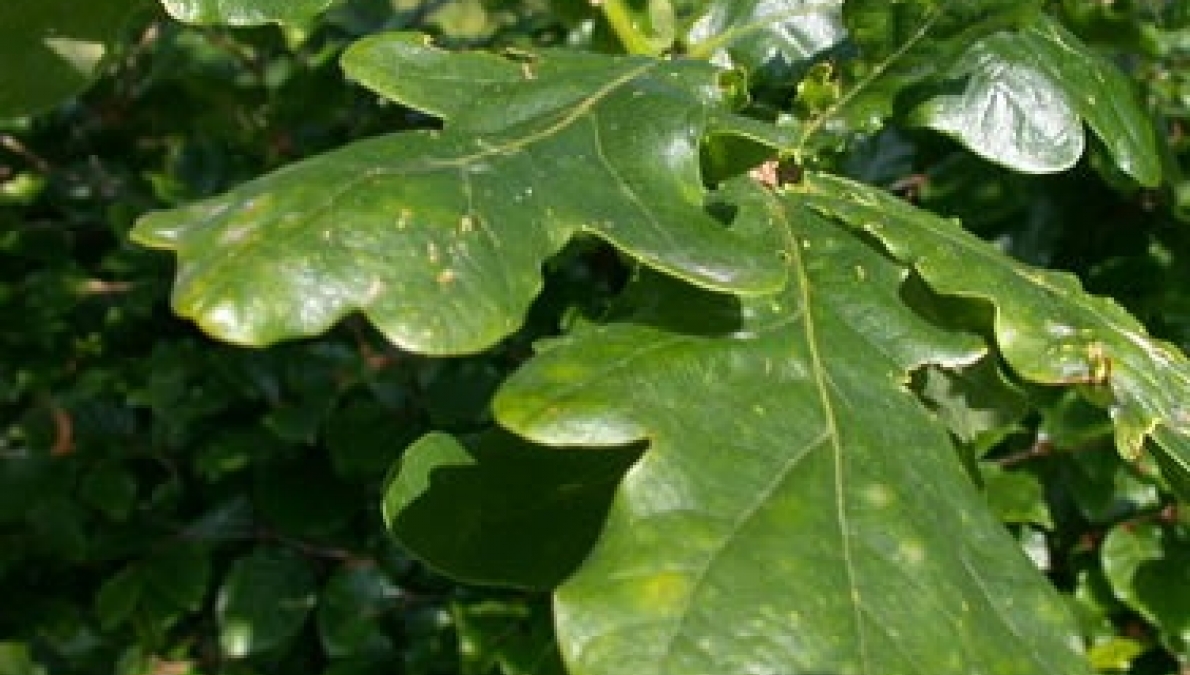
column 798, row 511
column 1049, row 330
column 438, row 237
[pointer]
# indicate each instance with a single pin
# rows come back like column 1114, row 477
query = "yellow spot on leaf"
column 664, row 589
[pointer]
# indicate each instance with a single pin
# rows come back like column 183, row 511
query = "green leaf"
column 1024, row 98
column 797, row 510
column 1146, row 564
column 263, row 601
column 1047, row 327
column 502, row 511
column 245, row 12
column 118, row 597
column 15, row 659
column 111, row 489
column 1115, row 654
column 903, row 44
column 1010, row 111
column 349, row 610
column 176, row 578
column 438, row 237
column 1015, row 496
column 642, row 26
column 155, row 590
column 509, row 637
column 52, row 49
column 770, row 36
column 977, row 403
column 1104, row 487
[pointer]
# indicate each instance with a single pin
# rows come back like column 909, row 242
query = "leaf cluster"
column 801, row 336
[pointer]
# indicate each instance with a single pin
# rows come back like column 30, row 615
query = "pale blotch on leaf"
column 878, row 495
column 664, row 589
column 911, row 551
column 82, row 55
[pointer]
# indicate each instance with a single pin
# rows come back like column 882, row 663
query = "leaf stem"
column 627, row 29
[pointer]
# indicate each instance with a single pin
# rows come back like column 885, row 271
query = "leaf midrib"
column 234, row 255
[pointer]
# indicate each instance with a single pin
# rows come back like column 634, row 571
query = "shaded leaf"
column 177, row 578
column 52, row 49
column 263, row 601
column 509, row 637
column 1147, row 565
column 111, row 489
column 438, row 237
column 365, row 438
column 245, row 12
column 977, row 403
column 1049, row 330
column 349, row 610
column 157, row 590
column 501, row 511
column 797, row 511
column 118, row 597
column 1104, row 487
column 1025, row 95
column 282, row 495
column 1015, row 496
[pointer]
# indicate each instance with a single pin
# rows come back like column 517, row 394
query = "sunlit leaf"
column 1025, row 98
column 770, row 36
column 245, row 12
column 438, row 237
column 899, row 45
column 1048, row 328
column 788, row 514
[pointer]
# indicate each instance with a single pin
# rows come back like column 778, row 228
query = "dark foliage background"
column 163, row 496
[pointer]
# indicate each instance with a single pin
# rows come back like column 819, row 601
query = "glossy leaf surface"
column 770, row 36
column 438, row 237
column 1027, row 95
column 263, row 601
column 54, row 48
column 785, row 518
column 1047, row 327
column 900, row 45
column 244, row 12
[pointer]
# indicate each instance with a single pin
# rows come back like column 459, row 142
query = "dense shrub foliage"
column 628, row 337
